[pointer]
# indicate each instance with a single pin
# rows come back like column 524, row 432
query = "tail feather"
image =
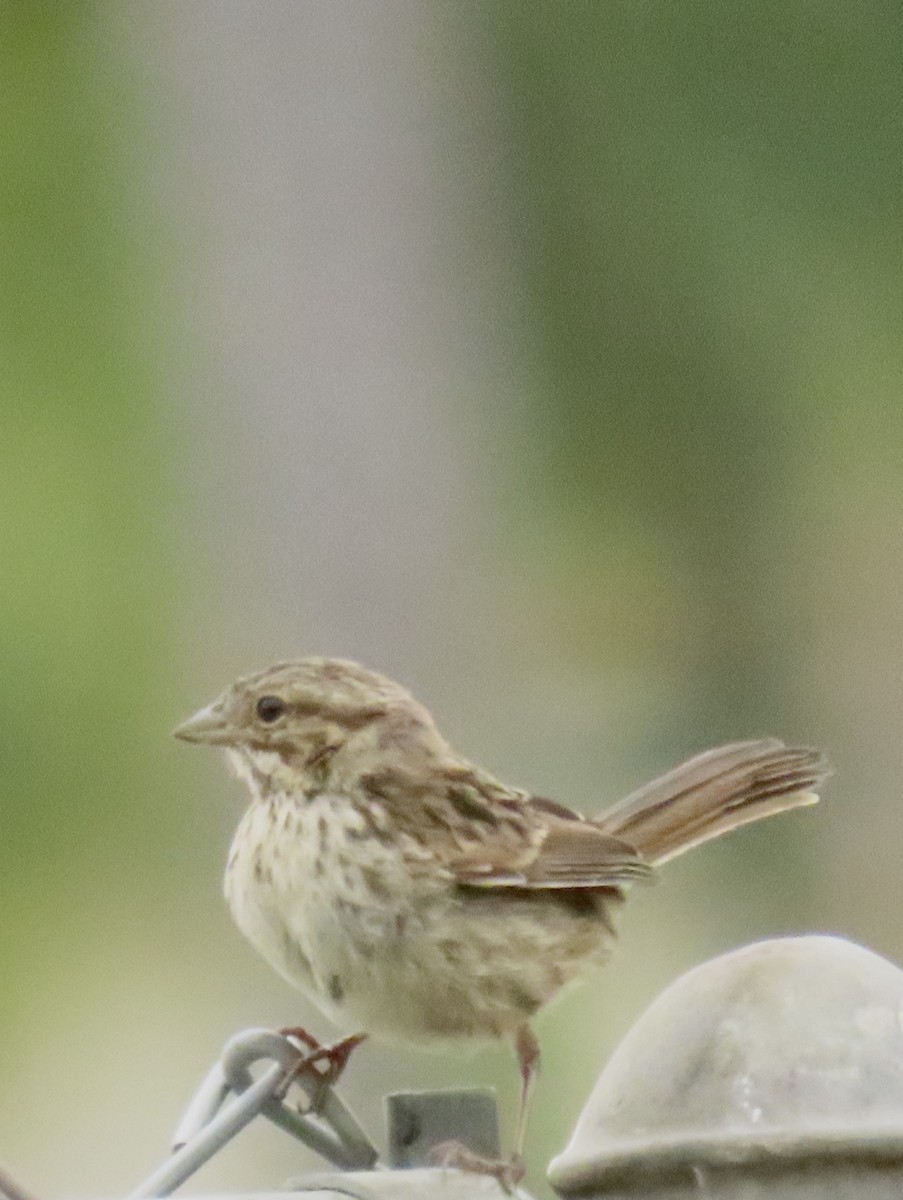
column 713, row 793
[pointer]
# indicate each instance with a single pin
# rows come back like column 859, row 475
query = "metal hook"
column 209, row 1122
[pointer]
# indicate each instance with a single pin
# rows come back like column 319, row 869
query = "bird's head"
column 294, row 724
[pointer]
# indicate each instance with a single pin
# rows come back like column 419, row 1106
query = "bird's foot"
column 330, row 1061
column 298, row 1034
column 325, row 1062
column 508, row 1171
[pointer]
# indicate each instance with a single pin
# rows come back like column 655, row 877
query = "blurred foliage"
column 703, row 198
column 83, row 613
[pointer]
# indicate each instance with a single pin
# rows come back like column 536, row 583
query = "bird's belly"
column 379, row 953
column 323, row 912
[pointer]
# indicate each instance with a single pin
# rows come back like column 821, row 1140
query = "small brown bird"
column 412, row 895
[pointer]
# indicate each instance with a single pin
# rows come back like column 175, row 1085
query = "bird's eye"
column 270, row 709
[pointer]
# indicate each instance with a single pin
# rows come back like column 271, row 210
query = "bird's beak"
column 207, row 725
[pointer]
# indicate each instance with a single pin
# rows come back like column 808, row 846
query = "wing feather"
column 567, row 853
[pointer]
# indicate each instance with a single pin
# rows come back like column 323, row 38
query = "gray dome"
column 782, row 1050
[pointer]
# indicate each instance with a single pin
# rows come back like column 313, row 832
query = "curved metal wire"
column 324, row 1123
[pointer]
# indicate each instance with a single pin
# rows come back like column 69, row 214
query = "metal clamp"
column 324, row 1123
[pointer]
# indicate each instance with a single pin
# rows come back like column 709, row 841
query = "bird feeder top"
column 784, row 1050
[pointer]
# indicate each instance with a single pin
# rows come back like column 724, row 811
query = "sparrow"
column 412, row 895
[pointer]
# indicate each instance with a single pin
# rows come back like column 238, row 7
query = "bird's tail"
column 714, row 793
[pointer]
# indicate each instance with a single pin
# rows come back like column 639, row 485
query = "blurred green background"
column 545, row 357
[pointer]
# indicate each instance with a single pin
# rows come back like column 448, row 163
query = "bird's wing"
column 485, row 835
column 560, row 852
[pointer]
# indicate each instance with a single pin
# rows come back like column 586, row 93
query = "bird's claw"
column 508, row 1171
column 298, row 1033
column 327, row 1063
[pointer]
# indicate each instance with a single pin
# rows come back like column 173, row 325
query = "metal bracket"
column 323, row 1122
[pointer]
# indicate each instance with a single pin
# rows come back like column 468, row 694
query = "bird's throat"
column 266, row 771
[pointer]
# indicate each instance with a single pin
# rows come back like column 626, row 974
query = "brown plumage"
column 411, row 894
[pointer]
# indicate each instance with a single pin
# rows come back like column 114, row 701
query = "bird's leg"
column 508, row 1171
column 526, row 1047
column 334, row 1057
